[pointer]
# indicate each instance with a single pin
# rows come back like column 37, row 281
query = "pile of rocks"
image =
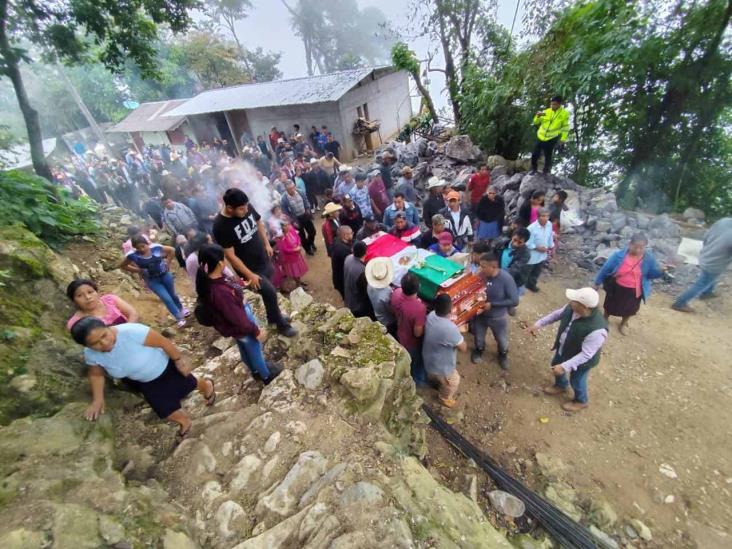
column 325, row 456
column 600, row 226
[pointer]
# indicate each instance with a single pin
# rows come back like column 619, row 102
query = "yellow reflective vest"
column 553, row 123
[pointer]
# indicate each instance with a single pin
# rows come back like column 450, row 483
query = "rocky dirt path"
column 654, row 446
column 661, row 405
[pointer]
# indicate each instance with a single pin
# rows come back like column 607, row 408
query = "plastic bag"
column 569, row 219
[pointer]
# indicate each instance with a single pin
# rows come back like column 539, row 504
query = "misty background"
column 268, row 26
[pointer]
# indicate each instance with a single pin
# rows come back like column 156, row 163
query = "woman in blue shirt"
column 146, row 360
column 152, row 261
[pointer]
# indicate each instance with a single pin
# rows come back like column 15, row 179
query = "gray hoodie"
column 716, row 255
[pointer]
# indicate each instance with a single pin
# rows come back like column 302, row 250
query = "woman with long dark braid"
column 223, row 300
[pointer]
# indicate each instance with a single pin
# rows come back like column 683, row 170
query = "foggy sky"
column 268, row 26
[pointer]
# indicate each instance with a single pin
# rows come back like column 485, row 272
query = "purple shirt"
column 409, row 312
column 592, row 343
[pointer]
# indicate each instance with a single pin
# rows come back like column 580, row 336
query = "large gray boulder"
column 693, row 214
column 663, row 226
column 461, row 148
column 532, row 183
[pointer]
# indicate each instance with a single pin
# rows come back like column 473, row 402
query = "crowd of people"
column 249, row 222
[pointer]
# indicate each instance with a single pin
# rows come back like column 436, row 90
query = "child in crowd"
column 556, row 208
column 274, row 223
column 290, row 259
column 152, row 261
column 529, row 211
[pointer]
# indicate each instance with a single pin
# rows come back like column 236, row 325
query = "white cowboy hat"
column 331, row 207
column 434, row 181
column 344, row 168
column 379, row 272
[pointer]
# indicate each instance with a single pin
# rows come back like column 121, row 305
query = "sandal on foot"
column 210, row 399
column 180, row 436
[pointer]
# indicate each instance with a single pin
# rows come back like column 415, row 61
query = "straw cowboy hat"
column 407, row 170
column 331, row 208
column 434, row 181
column 379, row 272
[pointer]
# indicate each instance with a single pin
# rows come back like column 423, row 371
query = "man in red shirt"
column 411, row 315
column 477, row 185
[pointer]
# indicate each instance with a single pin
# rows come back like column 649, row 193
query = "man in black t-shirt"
column 239, row 230
column 333, row 146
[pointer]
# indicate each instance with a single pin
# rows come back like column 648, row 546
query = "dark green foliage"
column 49, row 211
column 650, row 94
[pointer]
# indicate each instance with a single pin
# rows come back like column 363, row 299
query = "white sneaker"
column 181, row 323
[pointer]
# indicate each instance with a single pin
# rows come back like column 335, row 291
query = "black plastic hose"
column 566, row 531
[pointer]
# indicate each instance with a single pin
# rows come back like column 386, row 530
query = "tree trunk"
column 450, row 74
column 30, row 115
column 425, row 95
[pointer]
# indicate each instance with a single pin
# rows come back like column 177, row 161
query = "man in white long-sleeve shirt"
column 580, row 338
column 541, row 240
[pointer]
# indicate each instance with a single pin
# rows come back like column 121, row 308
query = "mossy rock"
column 25, row 256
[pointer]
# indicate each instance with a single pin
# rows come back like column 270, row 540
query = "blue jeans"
column 419, row 375
column 703, row 286
column 577, row 379
column 164, row 288
column 250, row 350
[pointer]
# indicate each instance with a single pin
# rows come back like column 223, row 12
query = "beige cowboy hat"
column 379, row 272
column 331, row 207
column 407, row 170
column 434, row 182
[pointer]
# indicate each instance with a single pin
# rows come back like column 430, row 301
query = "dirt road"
column 661, row 395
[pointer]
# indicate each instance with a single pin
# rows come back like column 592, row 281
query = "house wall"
column 317, row 114
column 155, row 138
column 388, row 101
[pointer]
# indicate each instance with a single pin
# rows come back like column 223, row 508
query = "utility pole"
column 96, row 130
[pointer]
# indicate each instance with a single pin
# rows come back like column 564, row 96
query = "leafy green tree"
column 262, row 64
column 650, row 93
column 339, row 35
column 67, row 30
column 213, row 61
column 405, row 59
column 225, row 13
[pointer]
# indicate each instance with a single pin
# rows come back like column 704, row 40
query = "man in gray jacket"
column 501, row 294
column 715, row 257
column 355, row 287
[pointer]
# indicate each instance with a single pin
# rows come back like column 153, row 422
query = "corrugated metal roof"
column 148, row 117
column 296, row 91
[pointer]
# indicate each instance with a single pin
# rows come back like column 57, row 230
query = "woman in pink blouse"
column 109, row 308
column 626, row 277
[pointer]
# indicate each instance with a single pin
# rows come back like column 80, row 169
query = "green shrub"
column 48, row 210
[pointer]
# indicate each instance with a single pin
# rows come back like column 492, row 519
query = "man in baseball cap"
column 370, row 227
column 580, row 338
